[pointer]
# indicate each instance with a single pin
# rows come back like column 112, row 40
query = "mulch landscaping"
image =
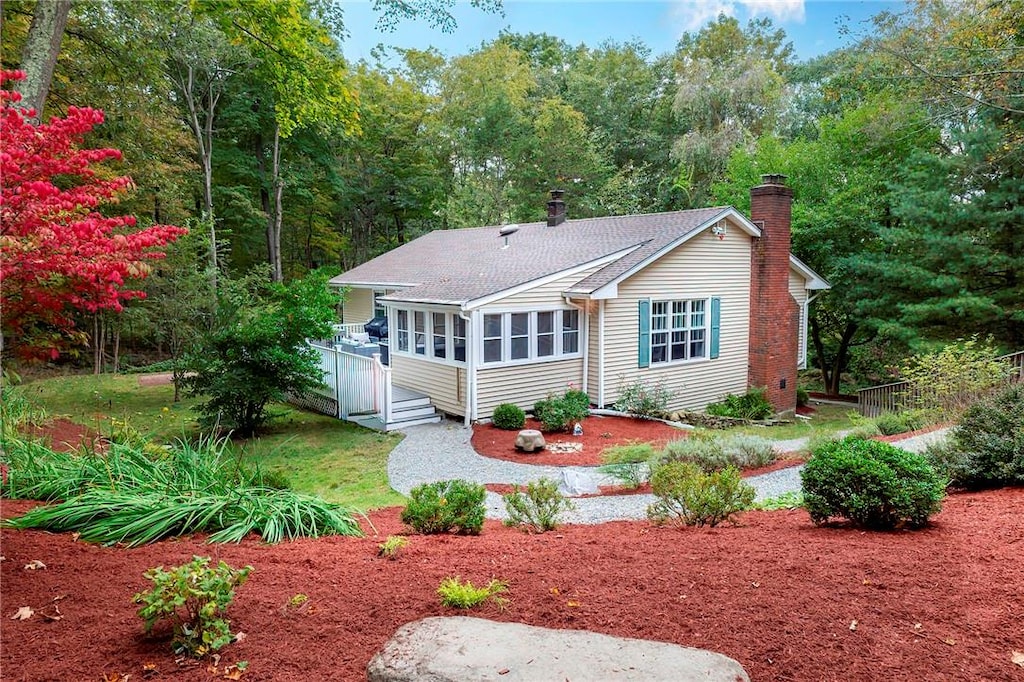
column 599, row 433
column 787, row 600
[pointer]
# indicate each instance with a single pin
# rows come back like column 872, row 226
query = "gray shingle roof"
column 457, row 266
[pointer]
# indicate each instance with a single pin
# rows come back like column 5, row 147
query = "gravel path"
column 436, row 452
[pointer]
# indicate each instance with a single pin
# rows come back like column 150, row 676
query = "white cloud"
column 692, row 14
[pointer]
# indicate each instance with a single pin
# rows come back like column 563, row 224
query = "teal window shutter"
column 644, row 345
column 716, row 323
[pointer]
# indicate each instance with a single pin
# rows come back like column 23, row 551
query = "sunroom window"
column 523, row 336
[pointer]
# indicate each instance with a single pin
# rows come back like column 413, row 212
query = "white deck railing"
column 358, row 384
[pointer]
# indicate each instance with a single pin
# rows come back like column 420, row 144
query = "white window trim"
column 533, row 358
column 428, row 355
column 655, row 365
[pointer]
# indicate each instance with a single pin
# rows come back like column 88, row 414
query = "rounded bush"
column 508, row 417
column 989, row 442
column 446, row 506
column 873, row 484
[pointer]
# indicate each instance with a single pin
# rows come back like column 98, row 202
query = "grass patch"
column 827, row 419
column 339, row 461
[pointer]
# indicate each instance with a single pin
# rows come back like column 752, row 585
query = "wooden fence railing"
column 899, row 395
column 354, row 384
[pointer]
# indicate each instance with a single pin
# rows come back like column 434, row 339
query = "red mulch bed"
column 64, row 435
column 599, row 433
column 775, row 593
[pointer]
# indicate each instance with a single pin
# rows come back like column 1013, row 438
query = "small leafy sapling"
column 390, row 548
column 193, row 598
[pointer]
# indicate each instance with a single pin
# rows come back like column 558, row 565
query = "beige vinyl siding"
column 545, row 296
column 445, row 384
column 796, row 287
column 358, row 306
column 703, row 267
column 525, row 384
column 594, row 352
column 799, row 294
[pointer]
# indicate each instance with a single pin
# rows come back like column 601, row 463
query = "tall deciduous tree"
column 39, row 56
column 60, row 254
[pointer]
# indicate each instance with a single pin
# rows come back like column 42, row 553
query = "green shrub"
column 628, row 463
column 748, row 452
column 892, row 423
column 555, row 414
column 751, row 405
column 446, row 506
column 803, row 397
column 988, row 443
column 873, row 484
column 690, row 497
column 390, row 548
column 193, row 598
column 703, row 451
column 643, row 401
column 949, row 380
column 509, row 417
column 465, row 595
column 538, row 507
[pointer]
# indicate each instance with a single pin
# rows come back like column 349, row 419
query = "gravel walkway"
column 436, row 452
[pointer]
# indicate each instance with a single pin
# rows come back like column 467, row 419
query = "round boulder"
column 530, row 440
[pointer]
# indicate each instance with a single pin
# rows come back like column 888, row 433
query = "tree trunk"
column 274, row 217
column 39, row 57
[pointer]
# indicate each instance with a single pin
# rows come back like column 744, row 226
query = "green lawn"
column 828, row 418
column 337, row 460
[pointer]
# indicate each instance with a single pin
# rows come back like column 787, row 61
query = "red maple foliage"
column 58, row 254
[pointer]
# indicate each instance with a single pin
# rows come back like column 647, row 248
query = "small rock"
column 529, row 440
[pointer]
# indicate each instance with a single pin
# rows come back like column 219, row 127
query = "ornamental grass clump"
column 193, row 598
column 687, row 496
column 873, row 484
column 446, row 506
column 538, row 507
column 127, row 496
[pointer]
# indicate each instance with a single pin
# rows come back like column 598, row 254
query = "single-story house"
column 706, row 302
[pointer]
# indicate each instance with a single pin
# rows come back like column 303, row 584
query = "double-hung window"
column 677, row 330
column 402, row 331
column 440, row 335
column 458, row 338
column 493, row 338
column 419, row 332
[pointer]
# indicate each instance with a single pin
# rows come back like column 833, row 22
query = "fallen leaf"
column 950, row 641
column 755, row 584
column 57, row 614
column 917, row 626
column 24, row 613
column 233, row 672
column 554, row 590
column 1017, row 658
column 116, row 677
column 572, row 602
column 34, row 564
column 853, row 625
column 240, row 636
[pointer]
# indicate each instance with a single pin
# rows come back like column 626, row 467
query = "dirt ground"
column 787, row 600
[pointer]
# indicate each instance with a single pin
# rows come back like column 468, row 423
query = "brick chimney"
column 774, row 315
column 556, row 208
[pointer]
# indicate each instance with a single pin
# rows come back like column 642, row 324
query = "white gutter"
column 471, row 337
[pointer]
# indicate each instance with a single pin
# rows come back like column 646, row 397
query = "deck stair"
column 408, row 408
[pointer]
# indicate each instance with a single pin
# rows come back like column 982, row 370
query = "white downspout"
column 471, row 337
column 584, row 340
column 600, row 353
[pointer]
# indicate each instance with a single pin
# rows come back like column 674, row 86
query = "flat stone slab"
column 459, row 648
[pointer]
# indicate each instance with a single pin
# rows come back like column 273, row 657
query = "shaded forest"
column 243, row 122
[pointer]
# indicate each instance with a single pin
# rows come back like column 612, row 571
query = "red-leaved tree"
column 58, row 254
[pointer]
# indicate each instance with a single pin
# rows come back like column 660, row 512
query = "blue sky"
column 811, row 25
